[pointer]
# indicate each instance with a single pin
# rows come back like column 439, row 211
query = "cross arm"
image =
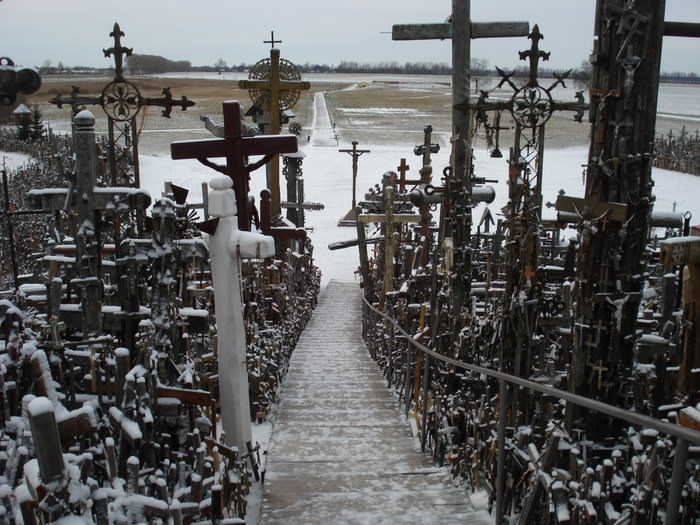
column 685, row 29
column 395, row 217
column 614, row 211
column 445, row 30
column 680, row 250
column 258, row 145
column 283, row 84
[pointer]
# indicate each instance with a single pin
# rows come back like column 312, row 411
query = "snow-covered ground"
column 328, row 179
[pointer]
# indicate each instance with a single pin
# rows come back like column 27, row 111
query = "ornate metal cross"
column 236, row 149
column 121, row 100
column 280, row 92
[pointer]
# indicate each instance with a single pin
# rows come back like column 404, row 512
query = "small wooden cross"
column 600, row 369
column 389, row 220
column 236, row 149
column 402, row 168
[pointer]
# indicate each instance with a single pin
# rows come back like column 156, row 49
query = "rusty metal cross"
column 235, row 148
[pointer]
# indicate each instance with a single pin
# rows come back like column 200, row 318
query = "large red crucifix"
column 235, row 148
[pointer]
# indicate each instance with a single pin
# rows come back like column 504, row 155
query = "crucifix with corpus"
column 236, row 149
column 274, row 85
column 351, row 217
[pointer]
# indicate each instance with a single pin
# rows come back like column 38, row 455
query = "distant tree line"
column 152, row 64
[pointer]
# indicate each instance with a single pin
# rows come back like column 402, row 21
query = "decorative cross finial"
column 117, row 50
column 272, row 40
column 534, row 54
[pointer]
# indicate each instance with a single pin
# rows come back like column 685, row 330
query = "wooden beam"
column 684, row 29
column 444, row 31
column 680, row 250
column 613, row 211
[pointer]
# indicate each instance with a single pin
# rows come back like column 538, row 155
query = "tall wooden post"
column 458, row 185
column 609, row 275
column 87, row 254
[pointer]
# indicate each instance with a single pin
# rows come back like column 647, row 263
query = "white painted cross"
column 226, row 247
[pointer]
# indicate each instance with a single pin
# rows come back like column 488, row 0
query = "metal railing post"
column 677, row 478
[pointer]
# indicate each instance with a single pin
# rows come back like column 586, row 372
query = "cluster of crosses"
column 526, row 302
column 145, row 353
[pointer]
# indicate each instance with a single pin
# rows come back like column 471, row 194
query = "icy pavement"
column 341, row 450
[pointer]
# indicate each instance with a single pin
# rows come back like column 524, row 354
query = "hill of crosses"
column 547, row 362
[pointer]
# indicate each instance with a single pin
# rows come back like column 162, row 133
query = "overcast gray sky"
column 74, row 32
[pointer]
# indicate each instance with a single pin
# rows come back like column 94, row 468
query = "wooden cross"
column 402, row 168
column 86, row 200
column 276, row 232
column 600, row 369
column 272, row 40
column 592, row 208
column 460, row 30
column 236, row 149
column 350, row 217
column 275, row 86
column 389, row 220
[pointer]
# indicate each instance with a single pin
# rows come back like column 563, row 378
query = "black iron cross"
column 272, row 40
column 118, row 52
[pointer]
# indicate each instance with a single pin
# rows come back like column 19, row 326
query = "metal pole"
column 500, row 450
column 677, row 479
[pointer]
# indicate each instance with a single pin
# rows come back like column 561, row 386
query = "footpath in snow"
column 341, row 450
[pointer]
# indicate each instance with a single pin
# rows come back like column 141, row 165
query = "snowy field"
column 328, row 179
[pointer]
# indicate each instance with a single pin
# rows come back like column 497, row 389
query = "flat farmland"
column 384, row 111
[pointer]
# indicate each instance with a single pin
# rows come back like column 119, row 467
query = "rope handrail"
column 678, row 431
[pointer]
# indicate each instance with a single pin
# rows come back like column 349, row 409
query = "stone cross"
column 235, row 148
column 226, row 247
column 275, row 86
column 389, row 220
column 350, row 218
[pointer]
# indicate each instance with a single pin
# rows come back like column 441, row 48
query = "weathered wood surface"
column 341, row 452
column 444, row 31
